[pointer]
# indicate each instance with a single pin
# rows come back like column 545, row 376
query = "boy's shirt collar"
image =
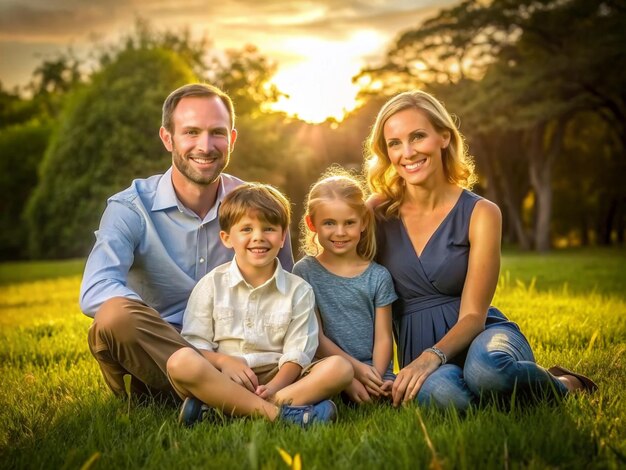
column 278, row 277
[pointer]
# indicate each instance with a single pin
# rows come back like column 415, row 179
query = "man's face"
column 201, row 140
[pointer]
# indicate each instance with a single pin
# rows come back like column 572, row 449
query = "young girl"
column 353, row 294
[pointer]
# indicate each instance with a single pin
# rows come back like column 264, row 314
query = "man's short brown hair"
column 194, row 90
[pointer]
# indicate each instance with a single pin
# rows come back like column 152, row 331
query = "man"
column 157, row 239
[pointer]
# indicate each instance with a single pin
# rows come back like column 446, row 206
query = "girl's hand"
column 238, row 371
column 410, row 378
column 370, row 378
column 386, row 387
column 357, row 393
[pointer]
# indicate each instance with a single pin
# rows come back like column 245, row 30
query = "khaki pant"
column 266, row 373
column 128, row 337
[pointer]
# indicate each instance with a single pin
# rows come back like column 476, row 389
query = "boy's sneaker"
column 192, row 411
column 322, row 412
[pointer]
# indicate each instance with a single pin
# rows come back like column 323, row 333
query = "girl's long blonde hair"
column 338, row 184
column 382, row 178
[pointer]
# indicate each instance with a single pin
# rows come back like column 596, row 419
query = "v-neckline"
column 432, row 235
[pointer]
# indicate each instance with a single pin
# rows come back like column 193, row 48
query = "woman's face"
column 414, row 146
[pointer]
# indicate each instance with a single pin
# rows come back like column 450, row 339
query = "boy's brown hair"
column 267, row 202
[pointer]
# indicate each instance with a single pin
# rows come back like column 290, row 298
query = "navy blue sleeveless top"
column 429, row 286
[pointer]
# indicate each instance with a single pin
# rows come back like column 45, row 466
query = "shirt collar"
column 278, row 278
column 165, row 195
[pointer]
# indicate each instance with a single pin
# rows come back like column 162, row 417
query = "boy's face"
column 256, row 243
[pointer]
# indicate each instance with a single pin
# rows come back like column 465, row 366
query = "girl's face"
column 414, row 146
column 338, row 227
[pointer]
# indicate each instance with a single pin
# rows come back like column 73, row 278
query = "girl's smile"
column 338, row 227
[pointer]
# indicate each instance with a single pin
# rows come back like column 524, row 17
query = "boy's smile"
column 256, row 243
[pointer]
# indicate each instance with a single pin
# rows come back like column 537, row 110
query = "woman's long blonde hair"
column 338, row 184
column 382, row 178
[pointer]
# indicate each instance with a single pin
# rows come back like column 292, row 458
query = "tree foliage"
column 107, row 135
column 21, row 147
column 519, row 73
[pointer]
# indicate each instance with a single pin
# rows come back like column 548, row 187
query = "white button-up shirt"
column 270, row 324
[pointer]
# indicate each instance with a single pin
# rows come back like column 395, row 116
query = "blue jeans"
column 499, row 361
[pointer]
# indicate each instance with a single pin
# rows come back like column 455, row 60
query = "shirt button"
column 202, row 260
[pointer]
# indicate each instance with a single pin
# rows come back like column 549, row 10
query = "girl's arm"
column 383, row 343
column 485, row 232
column 364, row 373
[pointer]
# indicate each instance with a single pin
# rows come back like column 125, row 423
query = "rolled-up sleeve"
column 301, row 339
column 198, row 318
column 106, row 271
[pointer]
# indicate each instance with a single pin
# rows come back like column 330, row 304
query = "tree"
column 21, row 147
column 531, row 66
column 108, row 131
column 245, row 75
column 107, row 135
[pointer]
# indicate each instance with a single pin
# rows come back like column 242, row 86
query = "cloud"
column 269, row 24
column 58, row 20
column 54, row 22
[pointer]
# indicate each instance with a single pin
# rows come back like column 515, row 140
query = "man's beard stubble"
column 182, row 165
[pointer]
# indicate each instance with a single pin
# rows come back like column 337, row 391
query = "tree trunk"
column 541, row 163
column 543, row 194
column 584, row 230
column 619, row 224
column 496, row 176
column 606, row 224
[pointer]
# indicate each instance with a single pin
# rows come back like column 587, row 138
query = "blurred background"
column 538, row 89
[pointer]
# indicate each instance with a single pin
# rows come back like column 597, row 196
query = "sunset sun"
column 320, row 85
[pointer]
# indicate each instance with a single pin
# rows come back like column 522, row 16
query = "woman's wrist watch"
column 439, row 353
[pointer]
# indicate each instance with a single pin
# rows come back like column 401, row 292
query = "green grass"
column 13, row 272
column 55, row 411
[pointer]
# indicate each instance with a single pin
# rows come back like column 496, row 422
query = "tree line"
column 538, row 86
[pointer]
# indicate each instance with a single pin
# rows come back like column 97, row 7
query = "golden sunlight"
column 320, row 84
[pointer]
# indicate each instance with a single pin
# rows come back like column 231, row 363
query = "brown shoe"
column 588, row 384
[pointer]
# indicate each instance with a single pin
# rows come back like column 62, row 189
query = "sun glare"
column 320, row 84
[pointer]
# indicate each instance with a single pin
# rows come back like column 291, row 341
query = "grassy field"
column 55, row 411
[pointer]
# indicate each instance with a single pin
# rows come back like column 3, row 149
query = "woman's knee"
column 446, row 388
column 491, row 364
column 488, row 379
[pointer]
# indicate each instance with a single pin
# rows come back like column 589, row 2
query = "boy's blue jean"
column 499, row 361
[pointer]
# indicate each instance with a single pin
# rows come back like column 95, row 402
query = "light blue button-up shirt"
column 150, row 247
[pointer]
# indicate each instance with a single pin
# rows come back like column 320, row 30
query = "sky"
column 317, row 45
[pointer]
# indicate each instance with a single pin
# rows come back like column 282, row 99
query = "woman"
column 441, row 244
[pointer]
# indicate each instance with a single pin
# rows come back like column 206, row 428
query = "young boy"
column 254, row 326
